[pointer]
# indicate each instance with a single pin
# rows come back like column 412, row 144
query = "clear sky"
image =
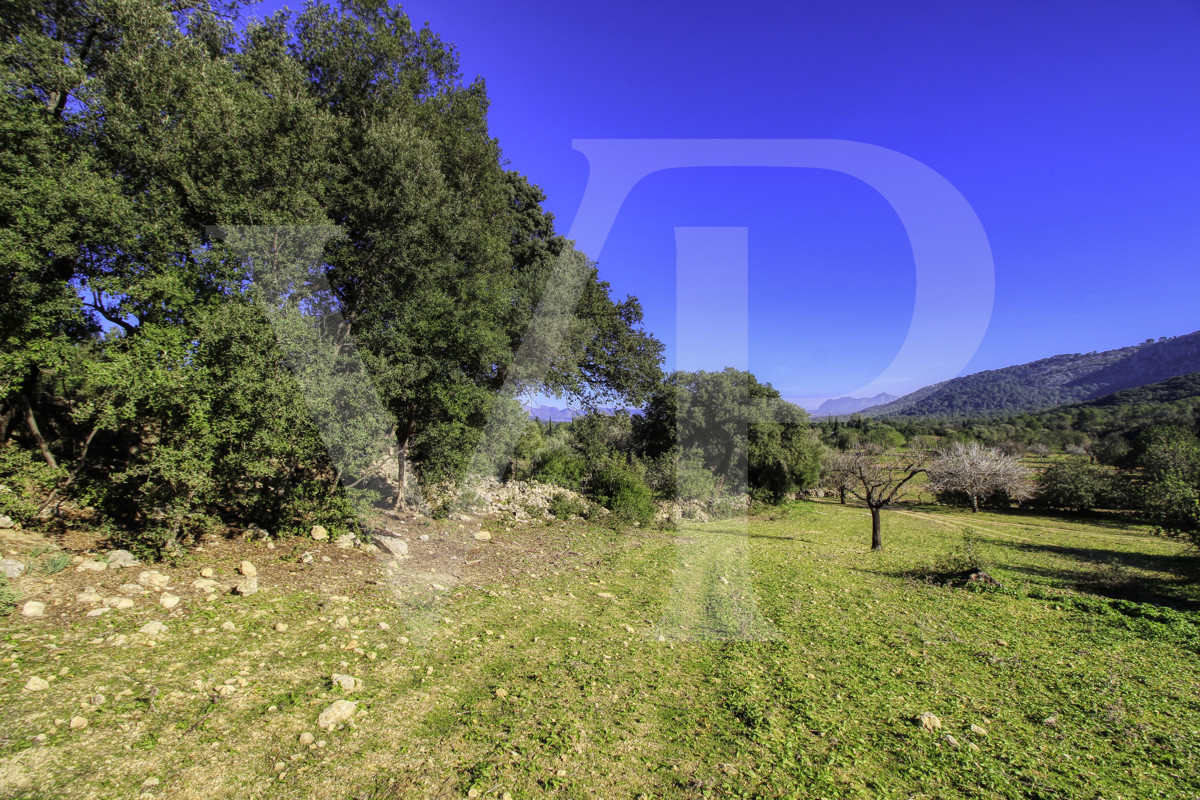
column 1071, row 129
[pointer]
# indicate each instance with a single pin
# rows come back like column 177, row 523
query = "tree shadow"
column 1117, row 574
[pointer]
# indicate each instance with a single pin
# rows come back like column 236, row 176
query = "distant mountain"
column 1055, row 381
column 851, row 405
column 555, row 414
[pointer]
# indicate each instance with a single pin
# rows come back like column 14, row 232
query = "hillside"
column 1049, row 382
column 1168, row 391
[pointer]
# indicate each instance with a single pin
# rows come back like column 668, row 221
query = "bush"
column 1073, row 484
column 561, row 468
column 565, row 506
column 27, row 481
column 623, row 492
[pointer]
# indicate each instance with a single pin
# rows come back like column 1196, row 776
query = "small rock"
column 437, row 587
column 36, row 684
column 97, row 612
column 88, row 595
column 392, row 545
column 153, row 579
column 506, row 796
column 226, row 691
column 424, row 537
column 122, row 558
column 483, row 536
column 307, row 738
column 1050, row 722
column 347, row 683
column 976, row 729
column 950, row 740
column 96, row 699
column 78, row 723
column 150, row 783
column 91, row 565
column 307, row 558
column 153, row 628
column 281, row 627
column 248, row 569
column 131, row 589
column 345, row 541
column 974, row 747
column 501, row 693
column 11, row 568
column 228, row 626
column 33, row 609
column 326, row 559
column 342, row 622
column 207, row 572
column 338, row 712
column 929, row 722
column 6, row 522
column 606, row 595
column 247, row 587
column 319, row 533
column 255, row 532
column 383, row 626
column 168, row 601
column 118, row 602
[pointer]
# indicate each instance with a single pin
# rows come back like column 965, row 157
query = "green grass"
column 782, row 660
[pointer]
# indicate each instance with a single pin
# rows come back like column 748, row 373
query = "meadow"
column 774, row 658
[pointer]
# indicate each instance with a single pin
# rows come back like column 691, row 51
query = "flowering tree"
column 978, row 472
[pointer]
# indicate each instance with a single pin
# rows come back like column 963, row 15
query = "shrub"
column 561, row 468
column 1073, row 484
column 27, row 480
column 565, row 506
column 623, row 492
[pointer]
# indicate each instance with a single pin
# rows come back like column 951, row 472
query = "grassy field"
column 779, row 659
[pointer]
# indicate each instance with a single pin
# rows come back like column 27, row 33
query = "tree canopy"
column 140, row 362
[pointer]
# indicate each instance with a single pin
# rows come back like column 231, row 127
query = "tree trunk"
column 974, row 504
column 31, row 421
column 876, row 529
column 402, row 477
column 842, row 495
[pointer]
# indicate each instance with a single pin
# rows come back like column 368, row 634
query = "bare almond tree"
column 977, row 472
column 875, row 476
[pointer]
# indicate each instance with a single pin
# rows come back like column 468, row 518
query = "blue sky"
column 1070, row 128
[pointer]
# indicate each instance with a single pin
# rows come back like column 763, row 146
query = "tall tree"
column 741, row 430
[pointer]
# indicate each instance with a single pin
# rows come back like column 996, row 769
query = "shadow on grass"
column 1114, row 520
column 1170, row 581
column 1116, row 574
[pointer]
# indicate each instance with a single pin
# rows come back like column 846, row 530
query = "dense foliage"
column 142, row 362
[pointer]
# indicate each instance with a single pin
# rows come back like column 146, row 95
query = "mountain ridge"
column 1046, row 383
